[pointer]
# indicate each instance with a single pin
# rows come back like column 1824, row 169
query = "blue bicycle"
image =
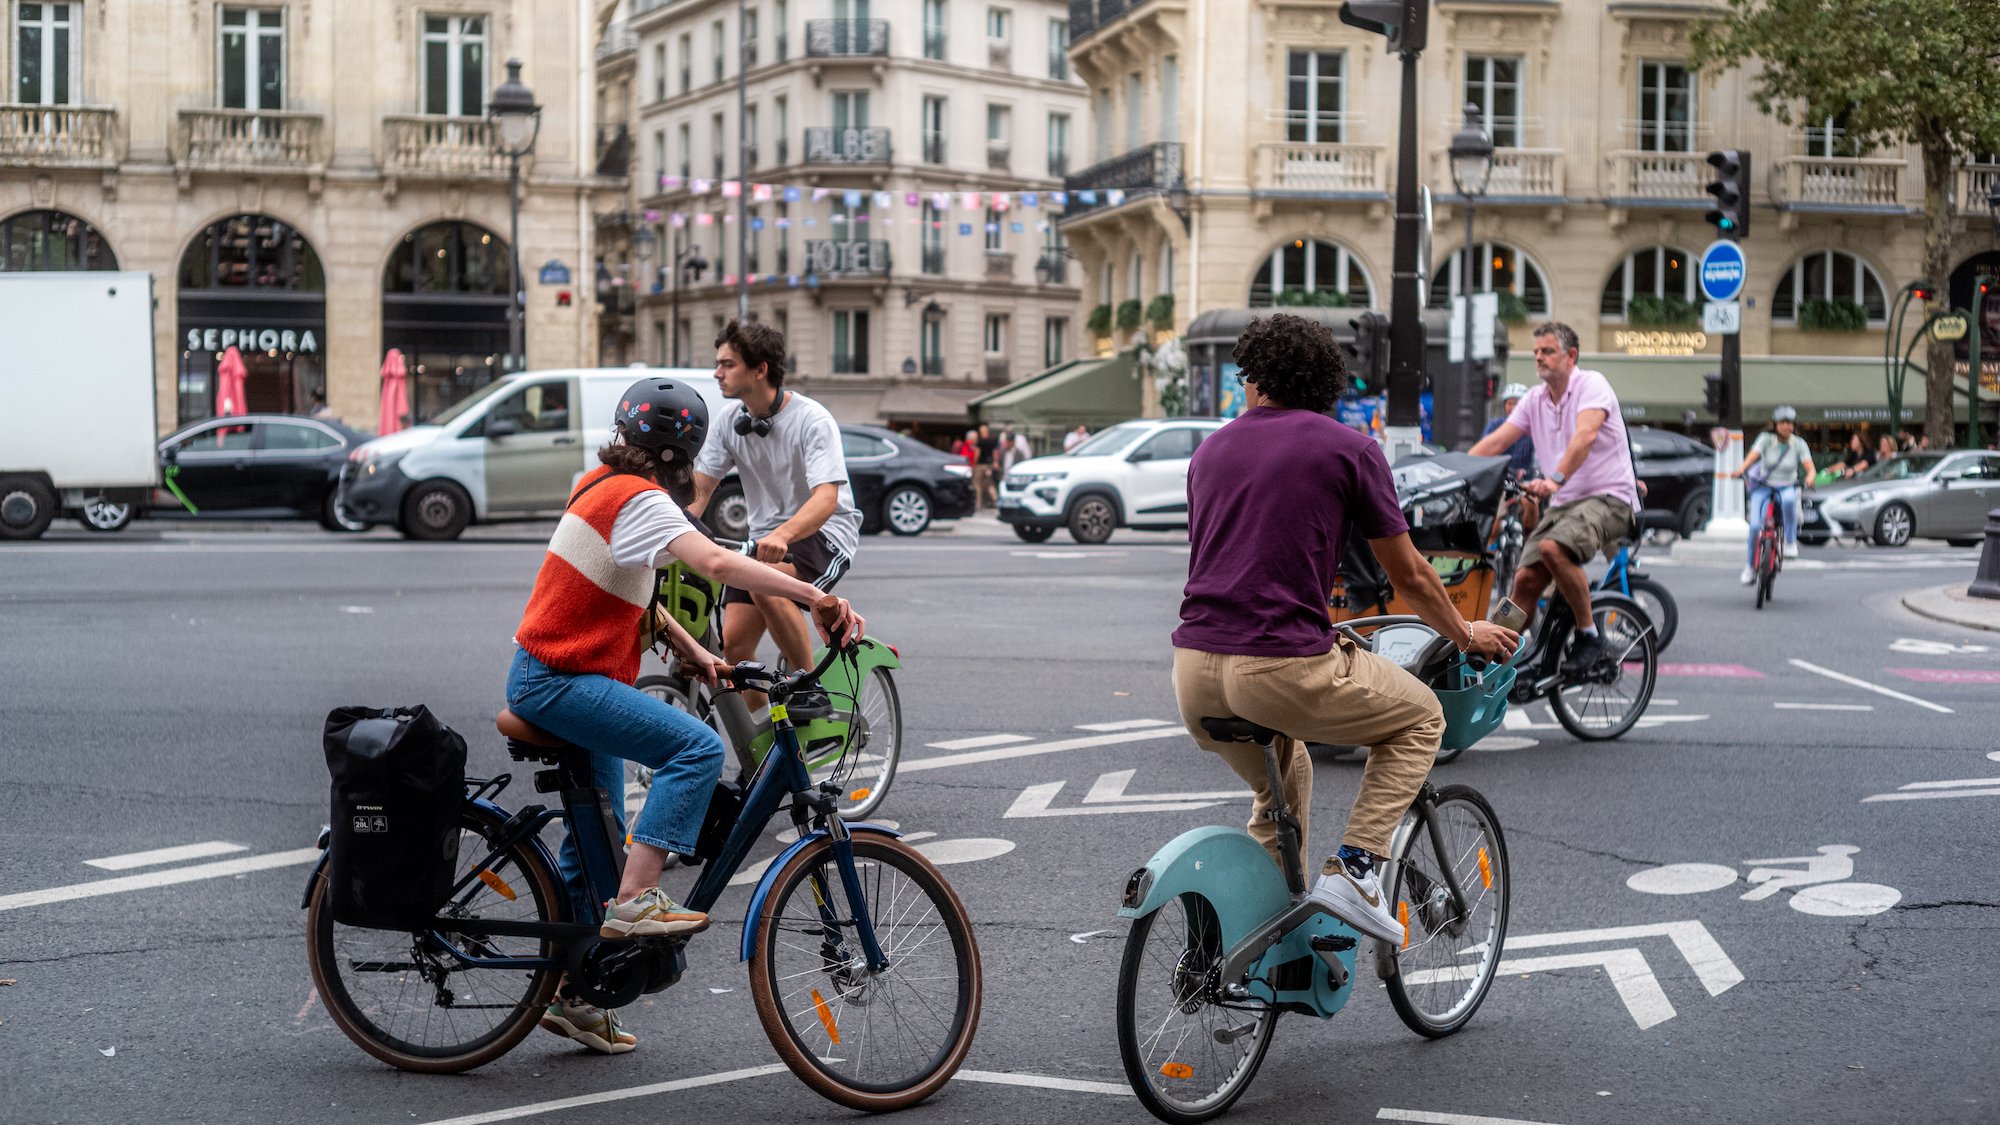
column 1624, row 576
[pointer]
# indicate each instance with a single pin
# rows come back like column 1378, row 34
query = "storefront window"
column 254, row 284
column 444, row 303
column 255, row 252
column 52, row 240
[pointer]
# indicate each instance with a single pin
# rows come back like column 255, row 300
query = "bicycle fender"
column 324, row 843
column 770, row 877
column 1223, row 865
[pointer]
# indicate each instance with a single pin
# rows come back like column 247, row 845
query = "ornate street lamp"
column 517, row 121
column 1471, row 155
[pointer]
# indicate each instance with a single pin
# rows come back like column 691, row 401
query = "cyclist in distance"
column 1586, row 462
column 1520, row 455
column 786, row 448
column 1788, row 464
column 588, row 620
column 1272, row 497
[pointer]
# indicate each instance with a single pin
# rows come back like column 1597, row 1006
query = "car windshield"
column 458, row 409
column 1900, row 468
column 1107, row 443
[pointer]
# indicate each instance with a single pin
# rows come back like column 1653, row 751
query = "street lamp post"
column 1471, row 155
column 517, row 121
column 1986, row 580
column 685, row 261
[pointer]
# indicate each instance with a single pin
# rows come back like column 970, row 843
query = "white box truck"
column 78, row 421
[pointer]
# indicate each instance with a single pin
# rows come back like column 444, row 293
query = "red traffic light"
column 1922, row 292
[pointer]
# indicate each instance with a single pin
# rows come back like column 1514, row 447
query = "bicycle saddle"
column 1239, row 730
column 519, row 729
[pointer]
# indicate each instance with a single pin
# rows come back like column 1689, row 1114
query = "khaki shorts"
column 1582, row 527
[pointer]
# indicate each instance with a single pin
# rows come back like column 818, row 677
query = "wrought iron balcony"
column 618, row 40
column 1838, row 183
column 253, row 141
column 1673, row 179
column 1059, row 162
column 1088, row 16
column 996, row 370
column 933, row 365
column 847, row 39
column 999, row 54
column 441, row 148
column 826, row 144
column 935, row 43
column 1322, row 168
column 784, row 144
column 783, row 42
column 1148, row 170
column 838, row 258
column 69, row 136
column 850, row 363
column 1058, row 65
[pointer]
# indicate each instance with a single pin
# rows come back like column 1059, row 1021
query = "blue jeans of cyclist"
column 618, row 723
column 1788, row 504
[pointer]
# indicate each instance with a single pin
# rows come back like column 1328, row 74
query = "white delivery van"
column 76, row 374
column 510, row 450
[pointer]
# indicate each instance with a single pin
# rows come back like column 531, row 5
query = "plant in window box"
column 1160, row 311
column 1513, row 308
column 1098, row 323
column 1832, row 316
column 1314, row 299
column 1129, row 315
column 1649, row 311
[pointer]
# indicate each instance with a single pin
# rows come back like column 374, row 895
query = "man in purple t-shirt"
column 1580, row 442
column 1271, row 498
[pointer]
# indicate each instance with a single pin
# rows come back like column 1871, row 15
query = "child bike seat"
column 1239, row 730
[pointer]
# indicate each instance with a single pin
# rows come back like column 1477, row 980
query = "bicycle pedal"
column 1331, row 943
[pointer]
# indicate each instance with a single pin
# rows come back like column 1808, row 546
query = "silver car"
column 1915, row 496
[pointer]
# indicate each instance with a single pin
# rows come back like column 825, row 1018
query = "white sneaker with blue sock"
column 1347, row 886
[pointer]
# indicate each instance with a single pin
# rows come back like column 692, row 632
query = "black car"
column 257, row 466
column 1677, row 472
column 899, row 483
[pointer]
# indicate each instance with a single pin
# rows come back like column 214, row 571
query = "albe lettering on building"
column 252, row 339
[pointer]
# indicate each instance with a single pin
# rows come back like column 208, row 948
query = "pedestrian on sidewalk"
column 1787, row 460
column 1075, row 438
column 988, row 446
column 968, row 448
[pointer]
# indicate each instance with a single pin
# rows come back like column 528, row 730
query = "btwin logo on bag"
column 369, row 818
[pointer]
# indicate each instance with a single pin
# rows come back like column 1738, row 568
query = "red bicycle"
column 1767, row 557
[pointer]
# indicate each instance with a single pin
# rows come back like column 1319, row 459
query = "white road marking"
column 1663, row 720
column 1068, row 554
column 1035, row 800
column 1959, row 784
column 1084, row 938
column 1936, row 796
column 1110, row 788
column 165, row 855
column 1704, row 954
column 125, row 883
column 1517, row 719
column 1920, row 647
column 1029, row 751
column 1845, row 900
column 1824, row 706
column 1501, row 742
column 1043, row 1082
column 1428, row 1118
column 976, row 743
column 1125, row 724
column 1942, row 790
column 1877, row 688
column 1627, row 969
column 1681, row 879
column 581, row 1100
column 969, row 850
column 1993, row 756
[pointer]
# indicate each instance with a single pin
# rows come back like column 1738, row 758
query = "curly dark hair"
column 756, row 344
column 663, row 468
column 1295, row 362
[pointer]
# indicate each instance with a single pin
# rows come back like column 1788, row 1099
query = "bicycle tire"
column 1763, row 587
column 1200, row 949
column 1660, row 606
column 1483, row 872
column 1622, row 621
column 884, row 743
column 804, row 1039
column 364, row 1022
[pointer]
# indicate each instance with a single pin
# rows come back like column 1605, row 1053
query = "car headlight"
column 1861, row 497
column 1023, row 480
column 374, row 462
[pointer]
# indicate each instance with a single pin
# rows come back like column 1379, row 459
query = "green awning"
column 1836, row 390
column 1091, row 392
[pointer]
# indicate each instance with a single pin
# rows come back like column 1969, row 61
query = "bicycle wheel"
column 404, row 999
column 1187, row 1057
column 1432, row 987
column 1607, row 702
column 1659, row 605
column 867, row 1040
column 869, row 763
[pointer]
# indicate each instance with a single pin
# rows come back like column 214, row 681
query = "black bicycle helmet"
column 662, row 414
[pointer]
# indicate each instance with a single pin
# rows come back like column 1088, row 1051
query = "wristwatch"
column 1561, row 478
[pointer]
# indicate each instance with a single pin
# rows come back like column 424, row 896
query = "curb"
column 1911, row 601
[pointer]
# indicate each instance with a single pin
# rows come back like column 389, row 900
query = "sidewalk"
column 1953, row 606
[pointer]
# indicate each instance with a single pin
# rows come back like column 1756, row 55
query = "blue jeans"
column 617, row 723
column 1788, row 504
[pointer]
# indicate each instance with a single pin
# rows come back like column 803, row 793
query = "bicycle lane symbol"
column 1819, row 886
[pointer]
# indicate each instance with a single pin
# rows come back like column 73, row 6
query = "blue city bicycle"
column 1624, row 576
column 863, row 966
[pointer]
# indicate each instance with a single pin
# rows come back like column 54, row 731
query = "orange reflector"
column 860, row 794
column 825, row 1016
column 1485, row 869
column 1403, row 916
column 1177, row 1070
column 498, row 884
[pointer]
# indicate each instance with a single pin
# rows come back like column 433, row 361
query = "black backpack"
column 398, row 791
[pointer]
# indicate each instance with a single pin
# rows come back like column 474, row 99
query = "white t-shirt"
column 645, row 526
column 780, row 469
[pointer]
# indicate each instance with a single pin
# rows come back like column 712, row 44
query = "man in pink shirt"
column 1579, row 436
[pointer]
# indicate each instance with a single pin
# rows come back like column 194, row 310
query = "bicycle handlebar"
column 746, row 547
column 754, row 675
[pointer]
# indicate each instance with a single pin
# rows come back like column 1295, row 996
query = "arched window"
column 1300, row 269
column 448, row 258
column 252, row 252
column 444, row 306
column 1498, row 267
column 52, row 240
column 1664, row 274
column 1830, row 276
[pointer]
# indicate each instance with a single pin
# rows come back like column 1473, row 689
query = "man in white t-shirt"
column 1074, row 438
column 786, row 451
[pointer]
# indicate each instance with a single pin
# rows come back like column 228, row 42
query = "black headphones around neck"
column 748, row 423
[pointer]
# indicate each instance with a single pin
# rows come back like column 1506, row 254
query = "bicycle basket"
column 1475, row 709
column 690, row 597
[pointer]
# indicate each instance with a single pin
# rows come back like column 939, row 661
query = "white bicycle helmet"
column 1784, row 414
column 1514, row 390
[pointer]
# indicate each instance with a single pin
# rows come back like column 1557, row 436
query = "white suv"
column 1131, row 475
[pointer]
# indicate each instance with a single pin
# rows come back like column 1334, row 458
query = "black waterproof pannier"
column 398, row 790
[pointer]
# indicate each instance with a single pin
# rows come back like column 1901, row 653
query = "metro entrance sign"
column 1722, row 270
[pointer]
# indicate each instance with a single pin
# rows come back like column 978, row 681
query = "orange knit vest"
column 583, row 616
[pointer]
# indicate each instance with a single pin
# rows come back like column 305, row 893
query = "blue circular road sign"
column 1722, row 269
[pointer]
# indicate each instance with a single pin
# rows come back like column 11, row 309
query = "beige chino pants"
column 1347, row 697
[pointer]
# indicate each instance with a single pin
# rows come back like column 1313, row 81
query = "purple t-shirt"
column 1271, row 499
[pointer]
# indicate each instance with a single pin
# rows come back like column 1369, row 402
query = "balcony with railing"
column 1052, row 266
column 826, row 144
column 614, row 150
column 936, row 45
column 58, row 136
column 933, row 365
column 850, row 363
column 837, row 259
column 447, row 148
column 1058, row 65
column 844, row 39
column 1660, row 179
column 999, row 266
column 1321, row 169
column 1519, row 174
column 252, row 141
column 783, row 146
column 1976, row 184
column 619, row 40
column 999, row 156
column 1059, row 163
column 1086, row 17
column 1838, row 183
column 1153, row 169
column 783, row 43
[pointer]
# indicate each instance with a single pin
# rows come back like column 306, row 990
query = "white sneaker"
column 1791, row 550
column 1358, row 902
column 1747, row 577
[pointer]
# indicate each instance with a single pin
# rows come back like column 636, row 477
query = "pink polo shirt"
column 1607, row 469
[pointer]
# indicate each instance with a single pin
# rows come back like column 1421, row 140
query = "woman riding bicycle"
column 1787, row 461
column 580, row 641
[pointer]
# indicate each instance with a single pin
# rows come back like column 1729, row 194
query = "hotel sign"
column 1659, row 342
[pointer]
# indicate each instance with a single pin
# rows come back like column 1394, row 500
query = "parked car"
column 1915, row 496
column 248, row 466
column 1677, row 472
column 1133, row 474
column 900, row 484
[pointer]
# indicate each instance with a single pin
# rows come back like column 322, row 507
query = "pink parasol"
column 229, row 376
column 395, row 393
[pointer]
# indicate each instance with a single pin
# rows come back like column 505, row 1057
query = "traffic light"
column 1715, row 394
column 1369, row 354
column 1731, row 190
column 1405, row 23
column 1922, row 293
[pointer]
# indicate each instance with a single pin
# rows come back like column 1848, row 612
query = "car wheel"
column 1092, row 519
column 1964, row 542
column 1034, row 532
column 907, row 510
column 728, row 513
column 27, row 507
column 436, row 510
column 1693, row 515
column 1894, row 524
column 100, row 514
column 333, row 516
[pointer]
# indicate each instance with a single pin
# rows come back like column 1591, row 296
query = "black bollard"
column 1986, row 580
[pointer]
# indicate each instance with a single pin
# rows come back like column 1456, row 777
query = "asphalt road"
column 167, row 688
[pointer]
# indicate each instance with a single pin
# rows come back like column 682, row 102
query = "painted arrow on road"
column 1628, row 969
column 1108, row 795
